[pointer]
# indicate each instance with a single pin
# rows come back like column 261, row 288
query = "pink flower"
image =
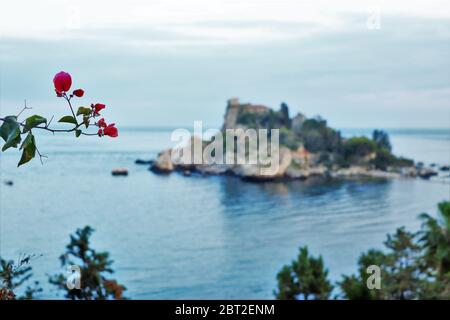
column 79, row 93
column 62, row 82
column 111, row 131
column 97, row 107
column 101, row 123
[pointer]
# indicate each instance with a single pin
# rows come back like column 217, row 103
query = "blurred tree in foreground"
column 93, row 266
column 14, row 275
column 413, row 266
column 305, row 278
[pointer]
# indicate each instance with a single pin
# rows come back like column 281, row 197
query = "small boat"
column 119, row 172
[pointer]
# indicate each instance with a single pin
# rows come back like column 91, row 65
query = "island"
column 308, row 148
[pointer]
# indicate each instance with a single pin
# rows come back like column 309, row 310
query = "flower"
column 79, row 93
column 101, row 123
column 107, row 129
column 62, row 82
column 111, row 131
column 97, row 107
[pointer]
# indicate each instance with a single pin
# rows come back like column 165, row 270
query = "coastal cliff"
column 308, row 148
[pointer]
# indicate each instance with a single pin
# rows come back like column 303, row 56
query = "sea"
column 201, row 237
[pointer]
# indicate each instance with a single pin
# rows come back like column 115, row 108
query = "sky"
column 377, row 64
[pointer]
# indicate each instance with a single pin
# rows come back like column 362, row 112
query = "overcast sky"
column 167, row 63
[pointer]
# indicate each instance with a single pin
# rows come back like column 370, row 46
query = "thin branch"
column 71, row 109
column 24, row 108
column 40, row 155
column 48, row 123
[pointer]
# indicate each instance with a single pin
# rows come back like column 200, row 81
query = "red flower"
column 97, row 107
column 62, row 82
column 79, row 93
column 111, row 131
column 100, row 132
column 101, row 123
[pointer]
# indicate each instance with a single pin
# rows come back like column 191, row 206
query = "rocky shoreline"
column 308, row 149
column 164, row 165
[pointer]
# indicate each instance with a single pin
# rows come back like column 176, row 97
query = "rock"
column 146, row 162
column 119, row 172
column 296, row 173
column 259, row 172
column 163, row 163
column 445, row 168
column 355, row 171
column 408, row 172
column 187, row 173
column 427, row 173
column 9, row 183
column 305, row 173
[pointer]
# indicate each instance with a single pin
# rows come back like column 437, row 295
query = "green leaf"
column 68, row 119
column 10, row 132
column 9, row 124
column 83, row 110
column 32, row 122
column 77, row 133
column 86, row 121
column 29, row 149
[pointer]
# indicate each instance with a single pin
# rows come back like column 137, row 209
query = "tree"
column 435, row 238
column 354, row 287
column 381, row 138
column 413, row 266
column 93, row 266
column 15, row 275
column 305, row 278
column 401, row 277
column 358, row 147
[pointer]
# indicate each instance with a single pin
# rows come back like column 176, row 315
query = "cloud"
column 172, row 74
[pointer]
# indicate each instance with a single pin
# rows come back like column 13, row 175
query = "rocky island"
column 308, row 148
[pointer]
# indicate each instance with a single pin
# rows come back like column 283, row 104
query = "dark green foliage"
column 413, row 266
column 436, row 239
column 14, row 275
column 267, row 120
column 381, row 138
column 384, row 159
column 401, row 277
column 289, row 139
column 94, row 267
column 284, row 110
column 354, row 287
column 359, row 147
column 305, row 279
column 287, row 287
column 32, row 122
column 252, row 120
column 317, row 136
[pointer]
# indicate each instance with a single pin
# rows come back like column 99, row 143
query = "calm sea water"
column 201, row 237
